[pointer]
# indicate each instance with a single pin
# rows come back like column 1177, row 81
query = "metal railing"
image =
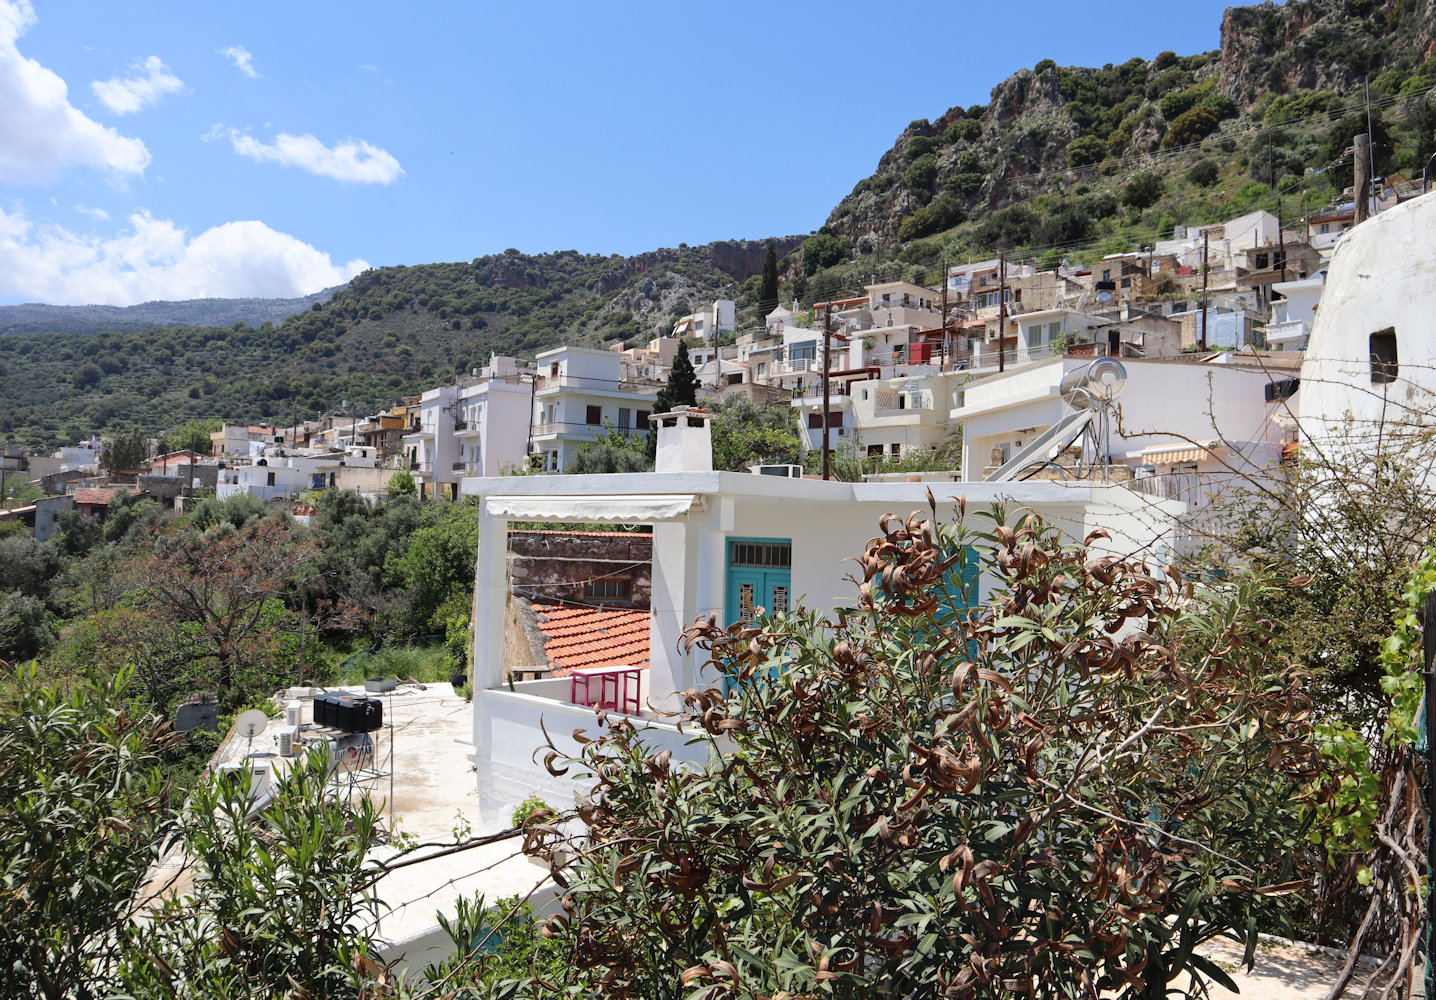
column 583, row 383
column 578, row 427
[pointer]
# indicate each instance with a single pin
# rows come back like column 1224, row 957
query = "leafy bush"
column 1203, row 173
column 1189, row 127
column 963, row 130
column 942, row 214
column 888, row 777
column 824, row 250
column 1143, row 190
column 921, row 173
column 1084, row 150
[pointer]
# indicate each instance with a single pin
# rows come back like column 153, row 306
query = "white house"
column 1177, row 415
column 708, row 322
column 432, row 448
column 493, row 415
column 577, row 391
column 1368, row 367
column 723, row 543
column 1293, row 314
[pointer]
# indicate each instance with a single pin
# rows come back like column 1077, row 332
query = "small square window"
column 1383, row 356
column 594, row 415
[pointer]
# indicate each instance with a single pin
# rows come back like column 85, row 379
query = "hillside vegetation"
column 1061, row 163
column 389, row 332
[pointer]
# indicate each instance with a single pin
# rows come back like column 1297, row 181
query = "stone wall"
column 565, row 565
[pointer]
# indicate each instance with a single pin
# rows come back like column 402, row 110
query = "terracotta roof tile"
column 94, row 495
column 579, row 637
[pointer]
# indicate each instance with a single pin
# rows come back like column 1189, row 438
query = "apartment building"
column 576, row 392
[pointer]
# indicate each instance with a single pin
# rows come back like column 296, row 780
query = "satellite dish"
column 1104, row 297
column 251, row 723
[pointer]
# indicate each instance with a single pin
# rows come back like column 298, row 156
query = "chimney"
column 685, row 441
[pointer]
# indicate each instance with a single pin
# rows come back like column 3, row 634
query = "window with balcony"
column 625, row 418
column 803, row 352
column 593, row 415
column 642, row 420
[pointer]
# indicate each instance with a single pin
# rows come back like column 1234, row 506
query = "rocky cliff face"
column 1321, row 44
column 973, row 160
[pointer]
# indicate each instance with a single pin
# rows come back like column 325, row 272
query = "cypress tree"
column 768, row 292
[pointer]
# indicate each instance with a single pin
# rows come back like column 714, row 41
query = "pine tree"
column 768, row 292
column 682, row 387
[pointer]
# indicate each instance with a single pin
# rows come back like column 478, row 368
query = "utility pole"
column 1205, row 237
column 1001, row 310
column 946, row 340
column 1280, row 241
column 827, row 344
column 1362, row 181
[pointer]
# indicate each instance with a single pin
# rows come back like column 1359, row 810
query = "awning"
column 635, row 509
column 1167, row 454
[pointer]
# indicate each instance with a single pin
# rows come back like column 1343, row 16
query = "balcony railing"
column 424, row 467
column 582, row 383
column 576, row 427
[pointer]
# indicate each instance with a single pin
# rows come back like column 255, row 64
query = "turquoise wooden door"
column 759, row 579
column 759, row 576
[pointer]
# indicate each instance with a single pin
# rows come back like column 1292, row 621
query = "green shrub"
column 1189, row 127
column 964, row 130
column 1143, row 190
column 1203, row 173
column 921, row 173
column 1085, row 150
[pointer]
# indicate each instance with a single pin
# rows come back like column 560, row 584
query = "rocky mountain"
column 1056, row 128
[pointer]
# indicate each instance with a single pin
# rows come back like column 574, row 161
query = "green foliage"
column 746, row 433
column 83, row 816
column 124, row 451
column 1006, row 228
column 1143, row 190
column 27, row 628
column 1203, row 173
column 824, row 250
column 768, row 288
column 192, row 435
column 682, row 386
column 238, row 510
column 1300, row 105
column 962, row 130
column 401, row 484
column 278, row 907
column 1401, row 654
column 612, row 451
column 942, row 214
column 499, row 951
column 877, row 829
column 1189, row 127
column 1084, row 150
column 437, row 564
column 1341, row 137
column 919, row 176
column 528, row 808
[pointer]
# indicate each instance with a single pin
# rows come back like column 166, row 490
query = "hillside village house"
column 723, row 544
column 1184, row 424
column 576, row 392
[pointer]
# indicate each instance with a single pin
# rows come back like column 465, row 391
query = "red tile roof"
column 593, row 637
column 92, row 495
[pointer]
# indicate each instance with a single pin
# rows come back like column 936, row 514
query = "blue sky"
column 158, row 150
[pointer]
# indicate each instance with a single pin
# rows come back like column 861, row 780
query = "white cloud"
column 156, row 259
column 242, row 58
column 352, row 160
column 149, row 81
column 98, row 214
column 43, row 131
